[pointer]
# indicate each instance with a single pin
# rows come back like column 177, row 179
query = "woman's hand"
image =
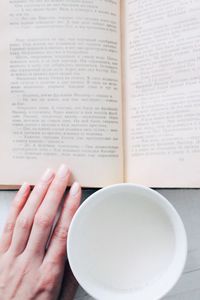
column 31, row 264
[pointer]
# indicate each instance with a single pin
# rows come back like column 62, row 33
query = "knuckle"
column 60, row 233
column 3, row 282
column 23, row 222
column 58, row 257
column 48, row 280
column 16, row 205
column 57, row 187
column 72, row 208
column 22, row 270
column 37, row 192
column 53, row 268
column 9, row 227
column 43, row 220
column 18, row 201
column 38, row 189
column 47, row 283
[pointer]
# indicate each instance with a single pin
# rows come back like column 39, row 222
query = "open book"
column 112, row 88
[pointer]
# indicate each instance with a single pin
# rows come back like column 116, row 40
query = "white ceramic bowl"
column 127, row 242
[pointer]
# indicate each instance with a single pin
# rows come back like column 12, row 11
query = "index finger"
column 56, row 251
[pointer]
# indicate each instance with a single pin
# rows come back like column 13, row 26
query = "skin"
column 33, row 262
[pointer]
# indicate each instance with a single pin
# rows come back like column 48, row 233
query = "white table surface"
column 187, row 203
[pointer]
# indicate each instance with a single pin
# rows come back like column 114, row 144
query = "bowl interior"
column 123, row 242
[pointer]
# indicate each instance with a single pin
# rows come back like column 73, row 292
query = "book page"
column 163, row 92
column 60, row 90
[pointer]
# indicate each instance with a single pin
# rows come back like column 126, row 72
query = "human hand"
column 29, row 267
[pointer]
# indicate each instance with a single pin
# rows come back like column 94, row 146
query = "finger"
column 17, row 205
column 46, row 213
column 25, row 218
column 56, row 251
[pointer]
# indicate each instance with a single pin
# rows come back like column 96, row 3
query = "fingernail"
column 25, row 186
column 47, row 174
column 75, row 188
column 63, row 171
